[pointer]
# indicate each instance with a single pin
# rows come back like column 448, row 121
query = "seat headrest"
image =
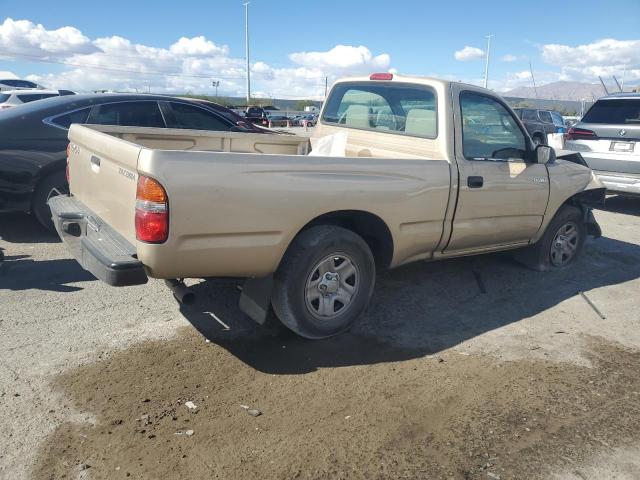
column 421, row 121
column 358, row 116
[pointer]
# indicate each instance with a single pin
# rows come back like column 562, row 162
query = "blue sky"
column 560, row 38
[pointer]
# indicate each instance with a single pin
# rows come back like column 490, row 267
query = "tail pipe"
column 181, row 292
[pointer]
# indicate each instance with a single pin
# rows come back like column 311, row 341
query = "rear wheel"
column 50, row 186
column 324, row 283
column 561, row 243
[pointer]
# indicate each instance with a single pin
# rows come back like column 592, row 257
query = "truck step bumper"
column 95, row 245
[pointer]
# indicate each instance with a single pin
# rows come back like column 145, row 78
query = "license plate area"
column 624, row 147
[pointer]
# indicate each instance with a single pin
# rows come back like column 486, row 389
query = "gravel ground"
column 465, row 369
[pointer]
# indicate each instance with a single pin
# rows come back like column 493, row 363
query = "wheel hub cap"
column 564, row 245
column 331, row 286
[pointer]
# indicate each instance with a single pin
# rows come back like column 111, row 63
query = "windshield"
column 618, row 112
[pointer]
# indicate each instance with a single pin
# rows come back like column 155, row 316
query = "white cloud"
column 197, row 46
column 509, row 58
column 469, row 53
column 4, row 74
column 28, row 39
column 605, row 57
column 342, row 57
column 189, row 64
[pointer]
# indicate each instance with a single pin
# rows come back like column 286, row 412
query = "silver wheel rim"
column 564, row 244
column 331, row 286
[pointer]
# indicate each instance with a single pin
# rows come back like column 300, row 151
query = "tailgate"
column 102, row 175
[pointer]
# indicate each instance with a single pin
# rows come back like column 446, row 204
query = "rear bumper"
column 95, row 245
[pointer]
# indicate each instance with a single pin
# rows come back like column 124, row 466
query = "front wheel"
column 324, row 282
column 561, row 243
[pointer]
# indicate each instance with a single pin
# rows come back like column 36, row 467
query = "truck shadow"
column 417, row 310
column 23, row 228
column 19, row 272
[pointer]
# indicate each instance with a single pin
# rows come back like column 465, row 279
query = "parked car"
column 17, row 84
column 33, row 138
column 570, row 120
column 256, row 115
column 608, row 137
column 13, row 98
column 414, row 181
column 278, row 121
column 539, row 123
column 310, row 120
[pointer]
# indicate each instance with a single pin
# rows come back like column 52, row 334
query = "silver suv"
column 608, row 137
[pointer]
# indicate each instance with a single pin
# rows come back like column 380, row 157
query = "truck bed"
column 236, row 200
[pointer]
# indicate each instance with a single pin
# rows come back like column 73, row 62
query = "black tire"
column 538, row 140
column 50, row 186
column 310, row 248
column 542, row 256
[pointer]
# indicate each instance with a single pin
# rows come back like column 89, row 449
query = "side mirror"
column 544, row 154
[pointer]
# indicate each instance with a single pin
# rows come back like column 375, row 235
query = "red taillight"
column 579, row 134
column 381, row 76
column 152, row 211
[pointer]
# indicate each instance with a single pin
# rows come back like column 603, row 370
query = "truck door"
column 502, row 195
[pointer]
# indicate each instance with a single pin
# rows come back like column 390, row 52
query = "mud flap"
column 255, row 299
column 593, row 228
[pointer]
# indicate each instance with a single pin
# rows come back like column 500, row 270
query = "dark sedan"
column 33, row 138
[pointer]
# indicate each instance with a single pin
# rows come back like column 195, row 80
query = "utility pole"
column 486, row 66
column 326, row 85
column 246, row 41
column 533, row 79
column 215, row 83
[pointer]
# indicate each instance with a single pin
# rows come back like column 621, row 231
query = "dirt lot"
column 467, row 369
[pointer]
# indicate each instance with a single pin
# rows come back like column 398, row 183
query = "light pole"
column 486, row 66
column 246, row 41
column 215, row 83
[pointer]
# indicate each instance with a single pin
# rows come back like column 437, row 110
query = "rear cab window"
column 618, row 112
column 384, row 107
column 4, row 97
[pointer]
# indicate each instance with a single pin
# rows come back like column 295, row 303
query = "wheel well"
column 370, row 227
column 41, row 178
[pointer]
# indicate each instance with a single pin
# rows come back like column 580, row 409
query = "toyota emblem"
column 622, row 132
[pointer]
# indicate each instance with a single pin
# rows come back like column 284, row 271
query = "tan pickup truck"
column 416, row 169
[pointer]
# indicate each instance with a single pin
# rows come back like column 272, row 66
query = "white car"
column 13, row 98
column 17, row 84
column 608, row 138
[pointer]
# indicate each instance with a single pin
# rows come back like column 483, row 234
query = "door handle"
column 475, row 182
column 95, row 161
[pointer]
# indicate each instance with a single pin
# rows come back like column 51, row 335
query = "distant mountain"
column 564, row 91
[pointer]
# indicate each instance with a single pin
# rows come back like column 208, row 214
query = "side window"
column 399, row 109
column 79, row 116
column 489, row 130
column 129, row 114
column 181, row 115
column 545, row 116
column 529, row 115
